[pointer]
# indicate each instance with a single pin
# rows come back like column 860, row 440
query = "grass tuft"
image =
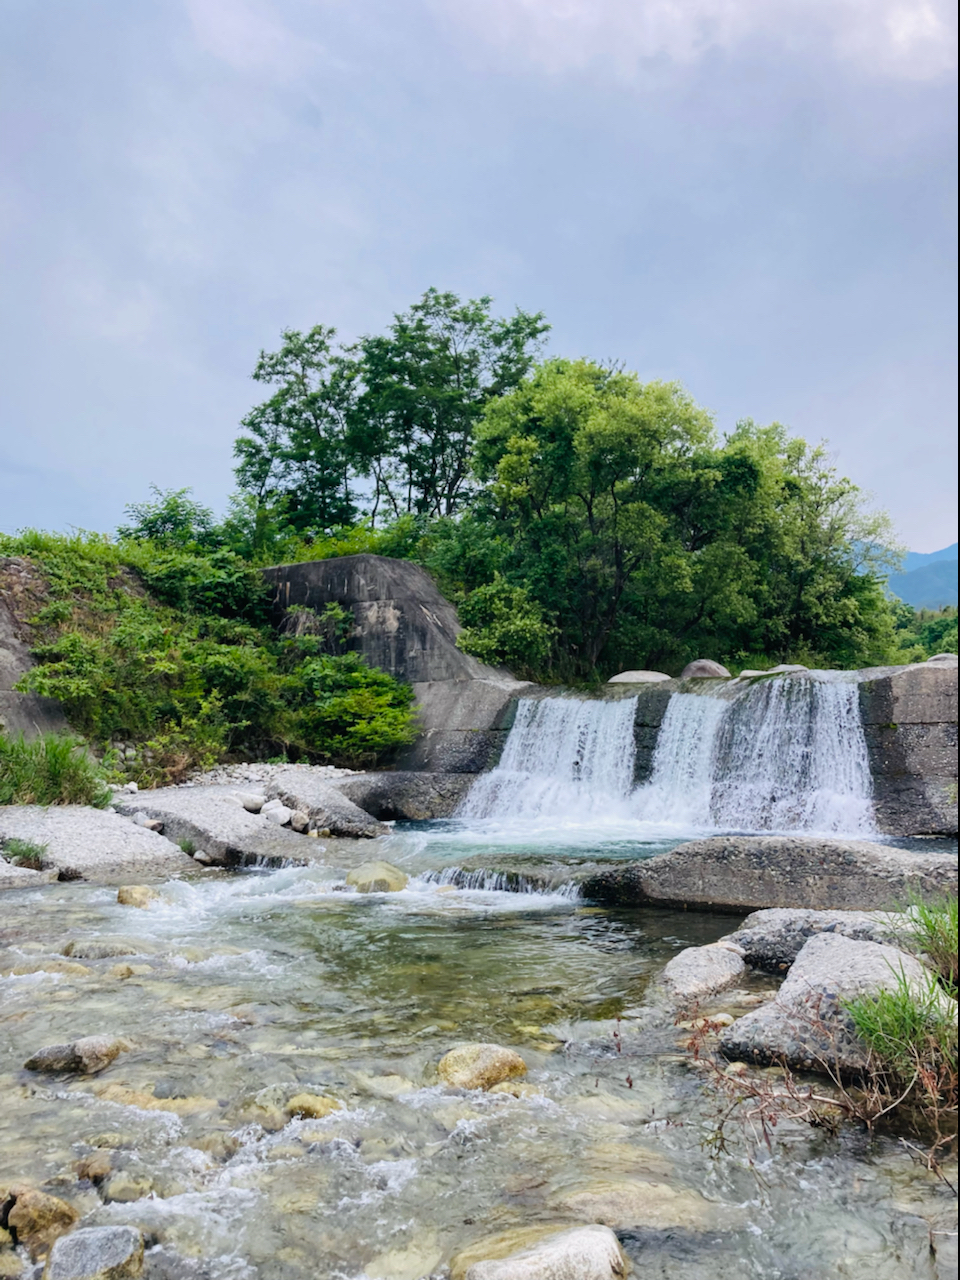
column 51, row 769
column 23, row 853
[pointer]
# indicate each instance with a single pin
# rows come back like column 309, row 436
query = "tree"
column 174, row 520
column 295, row 459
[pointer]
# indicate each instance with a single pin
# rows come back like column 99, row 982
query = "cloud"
column 249, row 37
column 909, row 39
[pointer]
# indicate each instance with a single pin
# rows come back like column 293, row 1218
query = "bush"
column 51, row 769
column 503, row 624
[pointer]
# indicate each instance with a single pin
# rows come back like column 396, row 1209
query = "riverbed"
column 238, row 991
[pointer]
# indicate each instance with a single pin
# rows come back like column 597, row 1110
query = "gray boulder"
column 96, row 1253
column 806, row 1025
column 771, row 940
column 704, row 669
column 696, row 972
column 752, row 872
column 304, row 789
column 14, row 877
column 406, row 795
column 93, row 844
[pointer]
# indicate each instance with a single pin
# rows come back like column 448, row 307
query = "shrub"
column 503, row 624
column 51, row 769
column 24, row 853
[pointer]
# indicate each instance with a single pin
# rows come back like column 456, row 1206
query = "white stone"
column 638, row 677
column 585, row 1253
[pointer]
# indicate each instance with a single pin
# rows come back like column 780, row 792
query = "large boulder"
column 750, row 872
column 97, row 1253
column 303, row 789
column 806, row 1025
column 36, row 1219
column 93, row 844
column 583, row 1253
column 704, row 669
column 771, row 940
column 909, row 719
column 406, row 794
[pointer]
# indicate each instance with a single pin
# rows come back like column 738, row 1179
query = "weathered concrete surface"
column 302, row 788
column 93, row 844
column 751, row 872
column 463, row 724
column 772, row 939
column 25, row 713
column 806, row 1025
column 910, row 721
column 217, row 823
column 406, row 794
column 13, row 877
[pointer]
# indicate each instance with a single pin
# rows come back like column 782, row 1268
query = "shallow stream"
column 239, row 991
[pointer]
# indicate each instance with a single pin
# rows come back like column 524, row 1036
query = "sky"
column 756, row 199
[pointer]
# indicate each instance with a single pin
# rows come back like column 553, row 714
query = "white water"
column 776, row 755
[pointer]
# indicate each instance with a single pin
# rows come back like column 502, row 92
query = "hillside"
column 931, row 586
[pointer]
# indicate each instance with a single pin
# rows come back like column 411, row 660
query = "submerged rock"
column 36, row 1219
column 749, row 872
column 648, row 1204
column 137, row 895
column 97, row 1253
column 806, row 1025
column 86, row 1056
column 312, row 1106
column 480, row 1066
column 696, row 972
column 583, row 1253
column 377, row 877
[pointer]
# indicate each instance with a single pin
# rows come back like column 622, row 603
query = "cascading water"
column 777, row 755
column 564, row 757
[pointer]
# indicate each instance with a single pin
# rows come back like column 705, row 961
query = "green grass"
column 933, row 926
column 24, row 853
column 51, row 769
column 909, row 1027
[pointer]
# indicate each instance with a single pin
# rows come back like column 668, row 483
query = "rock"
column 654, row 1205
column 88, row 1055
column 704, row 669
column 92, row 844
column 151, row 824
column 299, row 820
column 943, row 659
column 771, row 940
column 411, row 1262
column 638, row 677
column 124, row 1187
column 137, row 895
column 805, row 1026
column 749, row 872
column 480, row 1066
column 14, row 877
column 312, row 1106
column 48, row 965
column 97, row 1253
column 94, row 1167
column 583, row 1253
column 406, row 795
column 696, row 972
column 101, row 948
column 251, row 802
column 308, row 790
column 36, row 1220
column 377, row 877
column 464, row 724
column 278, row 814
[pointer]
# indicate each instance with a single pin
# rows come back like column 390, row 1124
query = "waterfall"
column 565, row 758
column 785, row 754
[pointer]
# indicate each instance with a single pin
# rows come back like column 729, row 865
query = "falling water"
column 776, row 755
column 564, row 756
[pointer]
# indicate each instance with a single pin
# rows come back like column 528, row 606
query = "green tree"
column 173, row 520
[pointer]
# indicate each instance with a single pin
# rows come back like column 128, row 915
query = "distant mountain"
column 931, row 585
column 918, row 559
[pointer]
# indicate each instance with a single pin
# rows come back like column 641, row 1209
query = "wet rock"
column 303, row 789
column 696, row 972
column 771, row 940
column 480, row 1066
column 410, row 1262
column 87, row 1056
column 94, row 1167
column 123, row 1187
column 406, row 795
column 13, row 877
column 377, row 877
column 312, row 1106
column 137, row 895
column 704, row 669
column 299, row 820
column 67, row 968
column 806, row 1025
column 93, row 844
column 36, row 1219
column 97, row 1253
column 751, row 872
column 583, row 1253
column 100, row 948
column 647, row 1204
column 149, row 1102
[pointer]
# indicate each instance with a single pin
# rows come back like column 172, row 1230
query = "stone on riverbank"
column 696, row 972
column 583, row 1253
column 405, row 795
column 771, row 940
column 97, row 1253
column 304, row 789
column 377, row 877
column 37, row 1219
column 805, row 1025
column 86, row 1056
column 750, row 872
column 480, row 1066
column 92, row 844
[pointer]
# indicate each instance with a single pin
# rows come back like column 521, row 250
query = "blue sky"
column 757, row 199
